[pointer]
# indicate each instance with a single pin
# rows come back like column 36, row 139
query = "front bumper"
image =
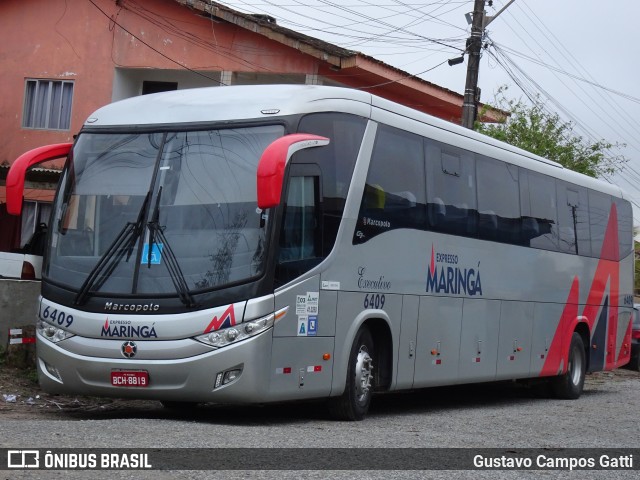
column 189, row 379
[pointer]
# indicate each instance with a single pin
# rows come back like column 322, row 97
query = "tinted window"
column 336, row 162
column 451, row 187
column 625, row 227
column 599, row 208
column 498, row 201
column 394, row 194
column 573, row 219
column 299, row 244
column 298, row 240
column 539, row 210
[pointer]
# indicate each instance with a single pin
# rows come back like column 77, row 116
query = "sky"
column 579, row 56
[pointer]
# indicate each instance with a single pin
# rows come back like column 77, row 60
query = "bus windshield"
column 160, row 213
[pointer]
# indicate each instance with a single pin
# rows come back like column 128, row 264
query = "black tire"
column 569, row 385
column 634, row 364
column 354, row 403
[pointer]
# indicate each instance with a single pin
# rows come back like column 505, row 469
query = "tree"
column 535, row 129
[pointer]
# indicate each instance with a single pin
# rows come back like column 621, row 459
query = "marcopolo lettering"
column 376, row 223
column 131, row 307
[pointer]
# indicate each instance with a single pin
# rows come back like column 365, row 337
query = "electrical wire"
column 608, row 107
column 394, row 32
column 153, row 48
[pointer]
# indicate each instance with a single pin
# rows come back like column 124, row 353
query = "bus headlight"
column 51, row 332
column 237, row 333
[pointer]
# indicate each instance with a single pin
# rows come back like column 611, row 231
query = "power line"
column 153, row 48
column 599, row 89
column 345, row 30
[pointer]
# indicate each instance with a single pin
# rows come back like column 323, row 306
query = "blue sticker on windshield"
column 156, row 254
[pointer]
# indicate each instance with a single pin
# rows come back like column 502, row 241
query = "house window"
column 47, row 104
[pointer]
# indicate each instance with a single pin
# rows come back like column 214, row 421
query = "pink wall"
column 71, row 40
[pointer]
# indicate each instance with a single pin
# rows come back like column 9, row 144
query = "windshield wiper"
column 153, row 226
column 121, row 245
column 173, row 267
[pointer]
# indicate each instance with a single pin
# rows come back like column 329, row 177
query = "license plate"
column 129, row 378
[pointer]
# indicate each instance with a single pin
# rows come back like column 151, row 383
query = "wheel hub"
column 364, row 373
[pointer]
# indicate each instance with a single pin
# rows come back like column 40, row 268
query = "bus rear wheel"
column 354, row 403
column 634, row 362
column 569, row 385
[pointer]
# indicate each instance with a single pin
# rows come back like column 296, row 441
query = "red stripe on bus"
column 607, row 273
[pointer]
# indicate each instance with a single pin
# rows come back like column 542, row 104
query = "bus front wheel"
column 569, row 385
column 354, row 403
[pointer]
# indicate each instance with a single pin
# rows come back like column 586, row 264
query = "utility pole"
column 474, row 46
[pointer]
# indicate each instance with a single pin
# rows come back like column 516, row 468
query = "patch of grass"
column 32, row 375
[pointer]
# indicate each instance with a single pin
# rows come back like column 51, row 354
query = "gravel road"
column 477, row 416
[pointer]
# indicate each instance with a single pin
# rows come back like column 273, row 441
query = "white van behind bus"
column 20, row 266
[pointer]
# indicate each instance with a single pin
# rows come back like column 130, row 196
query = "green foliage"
column 533, row 128
column 32, row 375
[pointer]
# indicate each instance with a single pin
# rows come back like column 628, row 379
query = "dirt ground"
column 22, row 398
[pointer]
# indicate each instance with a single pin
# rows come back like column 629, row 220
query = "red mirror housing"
column 273, row 162
column 18, row 171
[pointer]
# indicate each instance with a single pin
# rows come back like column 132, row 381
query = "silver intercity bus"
column 254, row 244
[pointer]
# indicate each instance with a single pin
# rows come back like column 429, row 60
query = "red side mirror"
column 18, row 171
column 274, row 161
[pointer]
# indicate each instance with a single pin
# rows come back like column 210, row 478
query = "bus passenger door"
column 303, row 343
column 438, row 348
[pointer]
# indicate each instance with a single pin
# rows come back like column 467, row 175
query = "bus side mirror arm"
column 273, row 163
column 18, row 171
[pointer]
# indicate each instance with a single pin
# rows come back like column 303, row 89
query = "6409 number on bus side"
column 374, row 300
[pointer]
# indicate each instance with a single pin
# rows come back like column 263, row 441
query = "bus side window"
column 437, row 213
column 625, row 227
column 499, row 217
column 573, row 219
column 539, row 211
column 394, row 194
column 599, row 209
column 336, row 161
column 451, row 188
column 300, row 231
